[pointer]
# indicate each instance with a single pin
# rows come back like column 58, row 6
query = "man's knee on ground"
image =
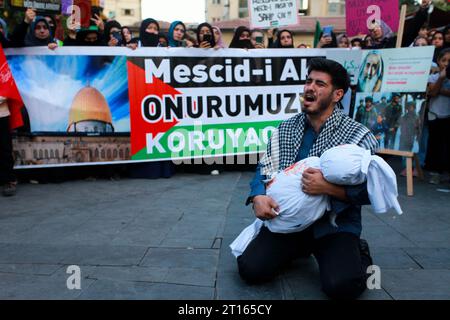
column 350, row 288
column 251, row 272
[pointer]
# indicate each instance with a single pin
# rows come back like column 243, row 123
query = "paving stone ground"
column 168, row 239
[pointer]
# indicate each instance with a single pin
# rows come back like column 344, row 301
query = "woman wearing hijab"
column 205, row 36
column 285, row 40
column 382, row 35
column 112, row 35
column 149, row 33
column 241, row 38
column 39, row 34
column 176, row 35
column 89, row 37
column 343, row 41
column 218, row 37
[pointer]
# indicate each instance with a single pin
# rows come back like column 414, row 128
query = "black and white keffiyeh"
column 285, row 142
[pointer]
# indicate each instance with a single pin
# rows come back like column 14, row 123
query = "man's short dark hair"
column 338, row 74
column 369, row 99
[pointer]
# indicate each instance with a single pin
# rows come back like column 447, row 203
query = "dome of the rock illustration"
column 90, row 112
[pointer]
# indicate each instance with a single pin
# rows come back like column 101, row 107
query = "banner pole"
column 401, row 26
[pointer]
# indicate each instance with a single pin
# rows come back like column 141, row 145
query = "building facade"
column 127, row 12
column 223, row 10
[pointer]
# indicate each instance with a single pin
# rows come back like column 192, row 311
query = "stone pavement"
column 168, row 239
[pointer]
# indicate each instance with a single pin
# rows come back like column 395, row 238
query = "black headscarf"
column 243, row 44
column 108, row 26
column 31, row 40
column 205, row 24
column 277, row 43
column 147, row 39
column 82, row 34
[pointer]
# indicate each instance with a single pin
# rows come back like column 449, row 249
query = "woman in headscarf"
column 205, row 36
column 218, row 37
column 343, row 41
column 241, row 38
column 176, row 35
column 112, row 35
column 285, row 39
column 39, row 34
column 382, row 35
column 149, row 33
column 89, row 37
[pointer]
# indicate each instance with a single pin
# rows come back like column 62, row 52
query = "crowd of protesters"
column 40, row 30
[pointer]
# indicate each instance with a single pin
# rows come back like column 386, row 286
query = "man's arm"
column 257, row 186
column 315, row 184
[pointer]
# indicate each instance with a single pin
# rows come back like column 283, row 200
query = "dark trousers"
column 341, row 265
column 438, row 153
column 6, row 155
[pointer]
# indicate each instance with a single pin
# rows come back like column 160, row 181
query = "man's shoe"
column 364, row 249
column 9, row 189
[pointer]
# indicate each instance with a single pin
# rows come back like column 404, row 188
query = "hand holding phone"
column 327, row 31
column 207, row 37
column 118, row 36
column 259, row 39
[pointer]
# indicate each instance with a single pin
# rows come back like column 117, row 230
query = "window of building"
column 57, row 153
column 243, row 8
column 127, row 12
column 336, row 7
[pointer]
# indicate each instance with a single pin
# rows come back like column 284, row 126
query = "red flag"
column 8, row 89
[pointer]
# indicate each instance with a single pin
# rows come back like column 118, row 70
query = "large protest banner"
column 390, row 98
column 189, row 104
column 112, row 105
column 76, row 105
column 274, row 13
column 358, row 13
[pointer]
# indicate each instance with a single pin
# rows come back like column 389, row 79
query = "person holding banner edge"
column 342, row 256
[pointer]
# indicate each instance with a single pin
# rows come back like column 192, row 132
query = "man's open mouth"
column 309, row 97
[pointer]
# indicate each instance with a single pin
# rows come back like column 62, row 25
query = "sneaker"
column 435, row 178
column 9, row 189
column 215, row 172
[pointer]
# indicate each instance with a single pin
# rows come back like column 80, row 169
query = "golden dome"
column 89, row 105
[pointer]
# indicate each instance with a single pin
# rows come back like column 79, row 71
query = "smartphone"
column 207, row 37
column 259, row 39
column 183, row 43
column 327, row 31
column 117, row 35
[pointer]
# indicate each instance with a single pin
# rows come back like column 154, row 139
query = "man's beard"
column 323, row 105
